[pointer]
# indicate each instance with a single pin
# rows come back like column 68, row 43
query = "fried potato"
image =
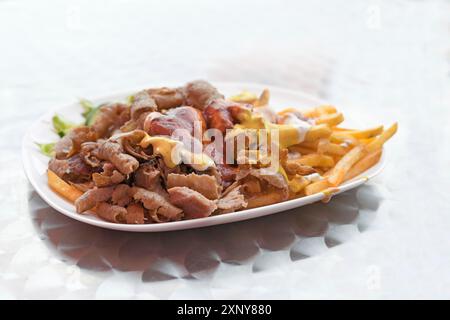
column 342, row 129
column 362, row 165
column 302, row 150
column 344, row 165
column 263, row 99
column 362, row 134
column 62, row 188
column 331, row 120
column 264, row 199
column 343, row 138
column 317, row 132
column 310, row 144
column 298, row 183
column 287, row 111
column 325, row 146
column 316, row 160
column 244, row 97
column 319, row 111
column 378, row 142
column 316, row 187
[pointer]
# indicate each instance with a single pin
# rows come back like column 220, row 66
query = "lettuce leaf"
column 61, row 126
column 47, row 148
column 90, row 111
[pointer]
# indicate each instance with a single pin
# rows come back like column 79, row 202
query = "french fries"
column 316, row 160
column 344, row 165
column 244, row 97
column 298, row 183
column 264, row 199
column 62, row 188
column 302, row 150
column 382, row 138
column 360, row 134
column 325, row 146
column 319, row 111
column 263, row 99
column 339, row 153
column 316, row 187
column 331, row 120
column 362, row 165
column 318, row 131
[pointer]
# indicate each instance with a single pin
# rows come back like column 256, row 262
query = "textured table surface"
column 379, row 61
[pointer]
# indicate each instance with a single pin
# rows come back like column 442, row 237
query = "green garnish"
column 90, row 111
column 61, row 126
column 130, row 99
column 47, row 148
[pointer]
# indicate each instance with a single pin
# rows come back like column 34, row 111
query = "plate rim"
column 194, row 223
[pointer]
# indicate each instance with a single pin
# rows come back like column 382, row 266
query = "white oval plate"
column 35, row 164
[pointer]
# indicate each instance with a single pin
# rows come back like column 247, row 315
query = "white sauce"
column 346, row 143
column 313, row 177
column 293, row 155
column 301, row 125
column 198, row 161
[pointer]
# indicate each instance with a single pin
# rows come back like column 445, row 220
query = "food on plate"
column 170, row 154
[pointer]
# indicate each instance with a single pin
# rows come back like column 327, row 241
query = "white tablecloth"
column 380, row 61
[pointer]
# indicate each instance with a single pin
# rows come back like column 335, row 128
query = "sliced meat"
column 165, row 125
column 162, row 209
column 142, row 103
column 167, row 98
column 274, row 179
column 63, row 147
column 135, row 214
column 70, row 144
column 222, row 114
column 193, row 203
column 185, row 118
column 86, row 152
column 189, row 115
column 111, row 213
column 137, row 124
column 228, row 173
column 165, row 170
column 232, row 201
column 73, row 169
column 130, row 143
column 199, row 93
column 110, row 118
column 205, row 184
column 93, row 197
column 60, row 167
column 110, row 176
column 217, row 116
column 121, row 195
column 148, row 177
column 113, row 152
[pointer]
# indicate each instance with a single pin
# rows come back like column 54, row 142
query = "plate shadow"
column 191, row 254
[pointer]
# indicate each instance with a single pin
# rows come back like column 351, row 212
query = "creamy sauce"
column 291, row 131
column 293, row 155
column 313, row 177
column 173, row 153
column 295, row 129
column 346, row 143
